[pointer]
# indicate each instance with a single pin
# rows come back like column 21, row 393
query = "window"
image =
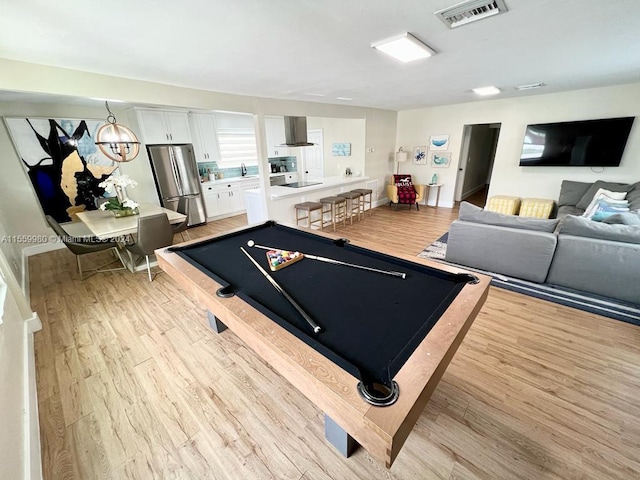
column 236, row 140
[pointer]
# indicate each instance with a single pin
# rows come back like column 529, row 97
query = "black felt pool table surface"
column 371, row 322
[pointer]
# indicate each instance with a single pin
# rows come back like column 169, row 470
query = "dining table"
column 104, row 225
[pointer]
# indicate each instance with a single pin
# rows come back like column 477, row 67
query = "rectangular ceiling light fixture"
column 486, row 90
column 404, row 47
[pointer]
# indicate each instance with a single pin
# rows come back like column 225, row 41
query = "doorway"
column 479, row 143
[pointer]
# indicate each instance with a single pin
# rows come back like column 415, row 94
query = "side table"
column 429, row 186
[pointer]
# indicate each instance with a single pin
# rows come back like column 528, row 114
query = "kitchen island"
column 281, row 199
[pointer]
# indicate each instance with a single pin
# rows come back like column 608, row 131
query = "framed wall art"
column 438, row 142
column 341, row 149
column 419, row 155
column 62, row 161
column 440, row 159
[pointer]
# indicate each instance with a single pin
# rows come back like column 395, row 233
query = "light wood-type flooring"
column 132, row 383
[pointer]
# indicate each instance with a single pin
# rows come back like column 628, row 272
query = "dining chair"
column 181, row 228
column 97, row 201
column 81, row 246
column 154, row 232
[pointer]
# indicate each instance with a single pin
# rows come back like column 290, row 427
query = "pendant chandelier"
column 116, row 141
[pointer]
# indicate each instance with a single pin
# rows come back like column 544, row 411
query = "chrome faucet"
column 243, row 169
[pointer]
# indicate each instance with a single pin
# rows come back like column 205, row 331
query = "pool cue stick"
column 310, row 321
column 251, row 243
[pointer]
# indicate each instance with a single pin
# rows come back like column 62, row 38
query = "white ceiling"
column 288, row 48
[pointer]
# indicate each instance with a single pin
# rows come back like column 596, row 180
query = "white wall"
column 415, row 127
column 336, row 130
column 19, row 444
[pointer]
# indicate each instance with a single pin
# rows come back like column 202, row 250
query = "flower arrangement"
column 120, row 205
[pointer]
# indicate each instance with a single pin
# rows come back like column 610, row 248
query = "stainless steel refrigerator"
column 176, row 175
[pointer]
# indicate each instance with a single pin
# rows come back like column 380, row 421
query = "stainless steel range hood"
column 295, row 132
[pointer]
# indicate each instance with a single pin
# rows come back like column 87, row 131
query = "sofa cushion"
column 590, row 193
column 472, row 213
column 629, row 218
column 571, row 192
column 583, row 227
column 569, row 210
column 634, row 197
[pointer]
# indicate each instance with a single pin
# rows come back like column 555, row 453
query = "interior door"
column 313, row 157
column 464, row 157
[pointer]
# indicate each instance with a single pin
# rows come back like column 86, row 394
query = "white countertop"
column 278, row 191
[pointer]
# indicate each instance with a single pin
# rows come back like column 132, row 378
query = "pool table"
column 388, row 325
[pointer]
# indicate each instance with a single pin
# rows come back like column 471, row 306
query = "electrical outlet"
column 371, row 150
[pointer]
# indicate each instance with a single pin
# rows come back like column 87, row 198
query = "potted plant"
column 120, row 205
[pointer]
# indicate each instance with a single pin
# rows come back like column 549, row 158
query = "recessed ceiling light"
column 404, row 47
column 315, row 94
column 486, row 90
column 530, row 86
column 344, row 98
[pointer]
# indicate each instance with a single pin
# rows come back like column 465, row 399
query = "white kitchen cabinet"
column 230, row 198
column 227, row 198
column 164, row 126
column 205, row 140
column 274, row 130
column 211, row 196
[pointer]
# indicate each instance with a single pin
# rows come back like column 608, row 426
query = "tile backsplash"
column 290, row 163
column 205, row 168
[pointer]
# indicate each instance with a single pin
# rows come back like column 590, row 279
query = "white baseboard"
column 385, row 201
column 32, row 455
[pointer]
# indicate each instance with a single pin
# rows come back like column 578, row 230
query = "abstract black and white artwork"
column 62, row 161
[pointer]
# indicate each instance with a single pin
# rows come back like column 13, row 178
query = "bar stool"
column 353, row 204
column 337, row 209
column 364, row 201
column 308, row 208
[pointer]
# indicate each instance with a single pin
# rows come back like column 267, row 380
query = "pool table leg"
column 338, row 437
column 215, row 323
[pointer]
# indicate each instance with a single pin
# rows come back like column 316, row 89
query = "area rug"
column 607, row 307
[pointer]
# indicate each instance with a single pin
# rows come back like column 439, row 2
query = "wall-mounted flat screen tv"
column 587, row 143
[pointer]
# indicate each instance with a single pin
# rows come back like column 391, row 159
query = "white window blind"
column 236, row 140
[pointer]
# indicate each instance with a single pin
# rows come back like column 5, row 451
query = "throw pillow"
column 571, row 192
column 611, row 186
column 634, row 197
column 402, row 180
column 603, row 196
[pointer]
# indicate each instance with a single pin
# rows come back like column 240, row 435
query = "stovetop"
column 300, row 184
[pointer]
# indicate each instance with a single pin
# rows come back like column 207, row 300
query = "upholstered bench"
column 536, row 207
column 503, row 204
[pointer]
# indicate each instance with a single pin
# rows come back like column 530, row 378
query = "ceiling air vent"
column 470, row 11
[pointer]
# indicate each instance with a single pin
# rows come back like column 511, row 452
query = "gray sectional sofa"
column 570, row 251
